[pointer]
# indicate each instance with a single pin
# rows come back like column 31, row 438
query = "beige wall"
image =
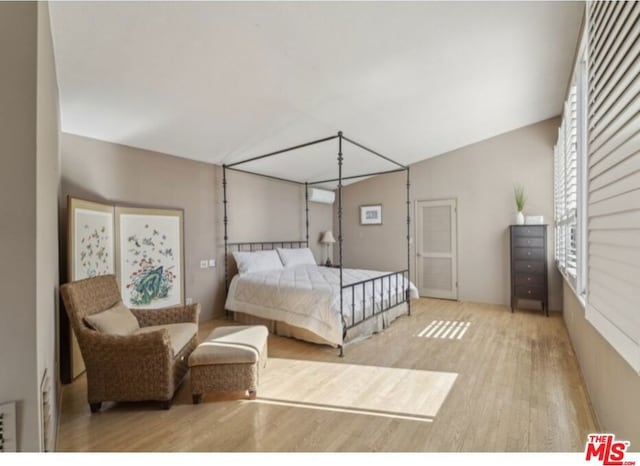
column 18, row 73
column 29, row 181
column 613, row 386
column 48, row 186
column 262, row 209
column 481, row 177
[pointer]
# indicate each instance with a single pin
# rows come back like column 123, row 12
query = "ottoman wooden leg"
column 197, row 398
column 253, row 394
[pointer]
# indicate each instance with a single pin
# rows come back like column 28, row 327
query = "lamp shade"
column 327, row 238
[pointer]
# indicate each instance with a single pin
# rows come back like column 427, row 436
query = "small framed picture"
column 371, row 214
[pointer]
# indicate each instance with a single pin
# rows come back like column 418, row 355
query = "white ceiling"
column 224, row 81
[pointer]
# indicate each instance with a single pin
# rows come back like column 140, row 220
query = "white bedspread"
column 308, row 296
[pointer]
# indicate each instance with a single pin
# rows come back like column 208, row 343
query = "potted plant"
column 520, row 202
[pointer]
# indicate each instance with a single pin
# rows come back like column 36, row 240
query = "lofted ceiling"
column 223, row 81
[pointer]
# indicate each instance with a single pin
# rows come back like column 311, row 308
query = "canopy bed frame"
column 377, row 308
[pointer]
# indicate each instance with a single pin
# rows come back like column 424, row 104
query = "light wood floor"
column 518, row 388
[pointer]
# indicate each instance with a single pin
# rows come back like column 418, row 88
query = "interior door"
column 436, row 249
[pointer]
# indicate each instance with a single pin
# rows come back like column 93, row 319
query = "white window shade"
column 566, row 188
column 613, row 300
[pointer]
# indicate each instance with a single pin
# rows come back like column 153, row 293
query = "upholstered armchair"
column 134, row 364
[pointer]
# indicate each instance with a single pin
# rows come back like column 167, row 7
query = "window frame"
column 571, row 224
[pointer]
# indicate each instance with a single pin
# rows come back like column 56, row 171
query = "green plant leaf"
column 520, row 198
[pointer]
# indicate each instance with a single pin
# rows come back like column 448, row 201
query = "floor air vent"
column 7, row 427
column 45, row 388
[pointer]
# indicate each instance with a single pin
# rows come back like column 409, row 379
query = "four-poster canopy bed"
column 314, row 303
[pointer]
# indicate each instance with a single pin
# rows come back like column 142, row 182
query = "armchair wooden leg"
column 95, row 407
column 197, row 398
column 253, row 394
column 165, row 404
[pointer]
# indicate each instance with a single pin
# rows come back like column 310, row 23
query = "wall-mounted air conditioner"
column 321, row 196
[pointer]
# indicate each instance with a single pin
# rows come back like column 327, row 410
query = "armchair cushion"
column 117, row 320
column 179, row 334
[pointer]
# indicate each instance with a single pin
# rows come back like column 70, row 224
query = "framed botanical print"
column 91, row 239
column 150, row 251
column 90, row 253
column 371, row 214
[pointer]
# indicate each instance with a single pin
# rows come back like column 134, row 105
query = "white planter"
column 519, row 218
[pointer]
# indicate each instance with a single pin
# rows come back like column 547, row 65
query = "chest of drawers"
column 528, row 244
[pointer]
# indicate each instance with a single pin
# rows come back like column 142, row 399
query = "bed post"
column 225, row 221
column 306, row 208
column 340, row 234
column 408, row 292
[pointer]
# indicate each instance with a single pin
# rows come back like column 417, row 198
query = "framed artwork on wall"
column 150, row 251
column 90, row 253
column 91, row 240
column 371, row 214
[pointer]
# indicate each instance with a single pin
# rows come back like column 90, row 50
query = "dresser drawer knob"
column 529, row 291
column 529, row 266
column 529, row 253
column 529, row 279
column 528, row 241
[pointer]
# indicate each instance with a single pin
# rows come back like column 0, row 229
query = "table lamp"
column 327, row 239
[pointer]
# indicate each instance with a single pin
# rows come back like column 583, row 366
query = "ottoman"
column 229, row 359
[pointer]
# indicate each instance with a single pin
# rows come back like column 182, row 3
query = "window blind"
column 613, row 300
column 559, row 199
column 566, row 187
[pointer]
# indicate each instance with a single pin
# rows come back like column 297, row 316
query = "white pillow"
column 257, row 261
column 293, row 257
column 118, row 320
